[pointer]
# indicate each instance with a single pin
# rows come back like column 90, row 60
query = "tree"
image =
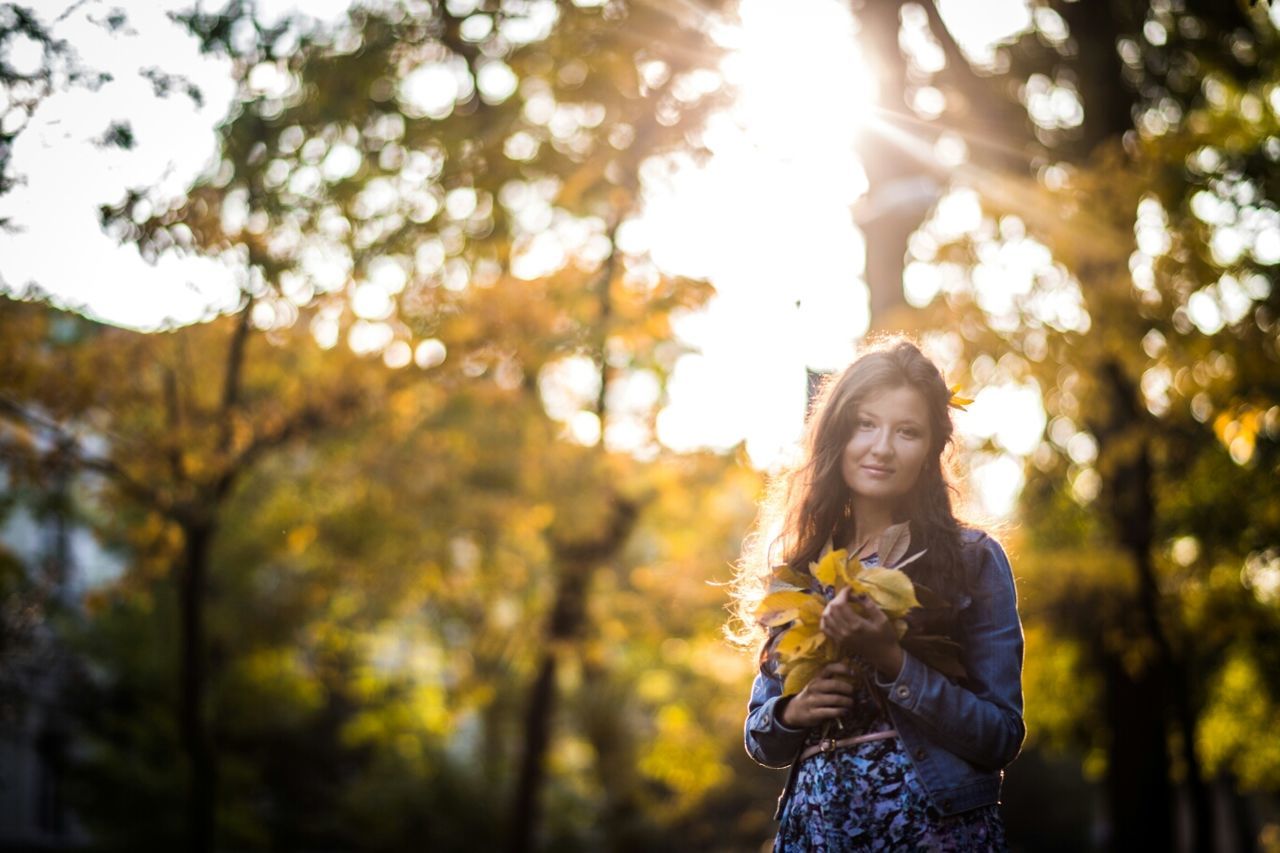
column 466, row 181
column 1133, row 351
column 432, row 186
column 172, row 439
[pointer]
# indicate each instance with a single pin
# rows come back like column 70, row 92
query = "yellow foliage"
column 831, row 568
column 803, row 649
column 800, row 672
column 1232, row 734
column 788, row 605
column 682, row 755
column 300, row 538
column 890, row 589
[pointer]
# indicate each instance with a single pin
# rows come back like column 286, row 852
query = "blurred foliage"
column 381, row 519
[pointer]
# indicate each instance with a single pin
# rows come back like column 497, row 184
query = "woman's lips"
column 877, row 472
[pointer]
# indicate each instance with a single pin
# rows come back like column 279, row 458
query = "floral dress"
column 866, row 797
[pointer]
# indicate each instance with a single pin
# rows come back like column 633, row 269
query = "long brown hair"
column 809, row 503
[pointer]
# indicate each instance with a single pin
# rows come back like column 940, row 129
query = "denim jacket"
column 959, row 736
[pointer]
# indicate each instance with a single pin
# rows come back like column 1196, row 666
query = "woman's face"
column 887, row 449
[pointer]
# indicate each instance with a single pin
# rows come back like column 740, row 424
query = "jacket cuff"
column 909, row 686
column 775, row 745
column 773, row 717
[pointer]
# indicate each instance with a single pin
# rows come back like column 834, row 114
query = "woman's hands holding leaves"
column 828, row 696
column 857, row 626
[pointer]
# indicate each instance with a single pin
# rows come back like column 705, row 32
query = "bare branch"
column 173, row 413
column 70, row 450
column 309, row 419
column 231, row 382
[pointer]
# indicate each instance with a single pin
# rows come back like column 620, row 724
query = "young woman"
column 886, row 751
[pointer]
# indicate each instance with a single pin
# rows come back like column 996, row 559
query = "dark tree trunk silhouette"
column 201, row 770
column 1128, row 498
column 578, row 562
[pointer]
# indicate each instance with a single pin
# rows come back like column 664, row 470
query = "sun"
column 767, row 219
column 802, row 82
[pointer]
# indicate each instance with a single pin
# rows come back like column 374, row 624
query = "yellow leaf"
column 800, row 675
column 828, row 569
column 956, row 400
column 786, row 605
column 786, row 574
column 817, row 642
column 786, row 599
column 890, row 589
column 779, row 617
column 790, row 644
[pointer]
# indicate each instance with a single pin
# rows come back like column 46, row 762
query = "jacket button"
column 903, row 692
column 920, row 753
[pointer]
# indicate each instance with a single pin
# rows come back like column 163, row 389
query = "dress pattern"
column 867, row 798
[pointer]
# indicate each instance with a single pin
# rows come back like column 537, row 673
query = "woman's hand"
column 827, row 696
column 859, row 627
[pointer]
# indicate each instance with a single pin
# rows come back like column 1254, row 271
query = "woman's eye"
column 865, row 424
column 909, row 433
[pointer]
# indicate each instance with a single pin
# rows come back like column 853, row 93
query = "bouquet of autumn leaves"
column 796, row 600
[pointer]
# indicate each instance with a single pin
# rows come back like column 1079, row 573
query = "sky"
column 789, row 288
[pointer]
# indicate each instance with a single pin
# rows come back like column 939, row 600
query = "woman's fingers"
column 829, row 710
column 830, row 684
column 831, row 700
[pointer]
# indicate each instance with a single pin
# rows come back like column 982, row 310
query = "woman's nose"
column 882, row 446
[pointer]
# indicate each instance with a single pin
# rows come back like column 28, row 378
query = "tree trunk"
column 578, row 561
column 201, row 780
column 537, row 732
column 1139, row 800
column 1129, row 500
column 567, row 616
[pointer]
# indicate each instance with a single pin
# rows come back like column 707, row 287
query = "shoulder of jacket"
column 980, row 549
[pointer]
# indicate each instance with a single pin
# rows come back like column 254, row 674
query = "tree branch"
column 310, row 418
column 67, row 440
column 173, row 414
column 987, row 105
column 231, row 381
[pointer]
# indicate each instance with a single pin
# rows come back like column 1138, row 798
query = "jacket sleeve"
column 981, row 719
column 767, row 740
